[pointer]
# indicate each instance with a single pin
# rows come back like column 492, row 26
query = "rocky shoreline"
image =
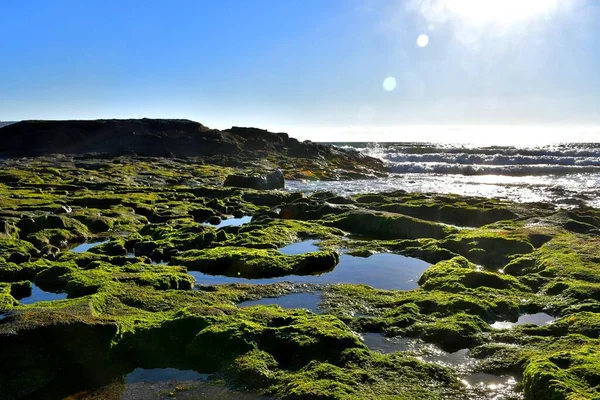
column 237, row 147
column 143, row 294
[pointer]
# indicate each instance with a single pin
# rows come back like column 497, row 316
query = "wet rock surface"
column 270, row 181
column 263, row 300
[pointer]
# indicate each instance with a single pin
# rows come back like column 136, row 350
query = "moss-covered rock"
column 255, row 263
column 388, row 226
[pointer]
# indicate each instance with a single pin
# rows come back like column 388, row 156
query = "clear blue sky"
column 310, row 67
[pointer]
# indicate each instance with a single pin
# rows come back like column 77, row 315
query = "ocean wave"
column 512, row 170
column 495, row 159
column 573, row 150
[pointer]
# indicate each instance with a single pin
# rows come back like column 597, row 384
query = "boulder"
column 273, row 180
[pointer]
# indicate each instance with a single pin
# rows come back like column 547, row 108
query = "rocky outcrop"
column 174, row 138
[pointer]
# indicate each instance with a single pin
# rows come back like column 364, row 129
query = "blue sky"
column 314, row 68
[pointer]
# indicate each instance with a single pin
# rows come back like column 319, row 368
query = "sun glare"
column 422, row 40
column 497, row 11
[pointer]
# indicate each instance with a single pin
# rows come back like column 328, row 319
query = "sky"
column 450, row 70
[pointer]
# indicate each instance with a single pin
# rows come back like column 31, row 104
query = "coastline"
column 132, row 302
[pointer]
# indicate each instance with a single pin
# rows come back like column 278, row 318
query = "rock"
column 214, row 220
column 201, row 214
column 312, row 210
column 238, row 214
column 273, row 180
column 19, row 257
column 63, row 210
column 177, row 138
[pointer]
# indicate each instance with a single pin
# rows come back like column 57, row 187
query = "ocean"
column 567, row 175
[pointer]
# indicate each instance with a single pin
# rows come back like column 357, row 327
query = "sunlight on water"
column 538, row 319
column 567, row 174
column 480, row 385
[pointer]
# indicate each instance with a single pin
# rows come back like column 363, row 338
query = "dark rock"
column 273, row 180
column 19, row 258
column 270, row 199
column 145, row 248
column 214, row 220
column 238, row 214
column 579, row 227
column 341, row 200
column 26, row 226
column 174, row 138
column 201, row 214
column 322, row 195
column 312, row 210
column 18, row 290
column 63, row 210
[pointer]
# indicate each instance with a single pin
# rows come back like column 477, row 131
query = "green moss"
column 20, row 250
column 458, row 274
column 493, row 249
column 275, row 233
column 255, row 263
column 388, row 226
column 127, row 311
column 452, row 333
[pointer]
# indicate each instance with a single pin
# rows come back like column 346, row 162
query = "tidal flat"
column 83, row 322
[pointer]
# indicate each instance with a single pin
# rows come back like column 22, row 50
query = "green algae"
column 255, row 263
column 124, row 310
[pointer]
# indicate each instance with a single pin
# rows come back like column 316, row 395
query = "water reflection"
column 479, row 384
column 538, row 319
column 384, row 271
column 306, row 246
column 230, row 222
column 162, row 383
column 307, row 301
column 418, row 348
column 88, row 245
column 38, row 295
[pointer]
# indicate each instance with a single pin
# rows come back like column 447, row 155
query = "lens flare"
column 422, row 40
column 389, row 84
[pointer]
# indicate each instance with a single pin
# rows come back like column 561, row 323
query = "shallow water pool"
column 88, row 245
column 538, row 319
column 307, row 301
column 163, row 375
column 230, row 222
column 479, row 384
column 425, row 351
column 306, row 246
column 384, row 271
column 38, row 295
column 163, row 383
